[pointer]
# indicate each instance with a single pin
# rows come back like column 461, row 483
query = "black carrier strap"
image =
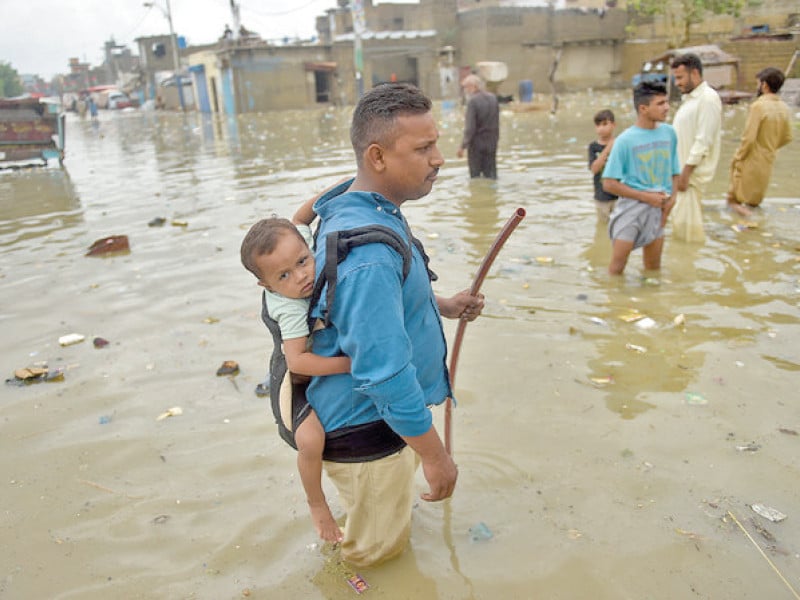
column 359, row 443
column 338, row 245
column 277, row 372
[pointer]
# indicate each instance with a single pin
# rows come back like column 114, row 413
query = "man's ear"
column 373, row 155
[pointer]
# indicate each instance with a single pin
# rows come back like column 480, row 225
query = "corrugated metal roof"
column 710, row 54
column 387, row 35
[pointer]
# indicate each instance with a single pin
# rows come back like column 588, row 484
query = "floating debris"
column 751, row 447
column 635, row 348
column 695, row 399
column 156, row 222
column 768, row 513
column 544, row 260
column 765, row 533
column 631, row 316
column 689, row 534
column 29, row 375
column 480, row 532
column 178, row 223
column 71, row 338
column 105, row 419
column 602, row 381
column 358, row 583
column 787, row 431
column 171, row 412
column 211, row 320
column 109, row 245
column 598, row 321
column 679, row 320
column 744, row 226
column 100, row 342
column 645, row 323
column 229, row 367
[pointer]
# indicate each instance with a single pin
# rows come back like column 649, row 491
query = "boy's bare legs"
column 310, row 439
column 652, row 254
column 620, row 251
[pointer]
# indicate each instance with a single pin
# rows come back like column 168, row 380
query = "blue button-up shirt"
column 390, row 329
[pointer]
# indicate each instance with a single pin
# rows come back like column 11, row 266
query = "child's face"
column 289, row 269
column 605, row 129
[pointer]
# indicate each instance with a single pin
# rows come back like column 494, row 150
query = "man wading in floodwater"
column 391, row 329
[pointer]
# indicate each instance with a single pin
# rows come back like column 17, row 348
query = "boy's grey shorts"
column 634, row 221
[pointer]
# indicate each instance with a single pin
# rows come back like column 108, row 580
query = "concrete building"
column 558, row 46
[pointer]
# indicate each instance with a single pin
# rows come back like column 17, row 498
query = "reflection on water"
column 584, row 441
column 36, row 202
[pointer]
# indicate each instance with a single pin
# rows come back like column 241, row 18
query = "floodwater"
column 601, row 471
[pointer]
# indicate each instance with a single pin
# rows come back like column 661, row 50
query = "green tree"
column 10, row 85
column 680, row 15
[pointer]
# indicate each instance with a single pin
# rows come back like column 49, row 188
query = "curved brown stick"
column 483, row 270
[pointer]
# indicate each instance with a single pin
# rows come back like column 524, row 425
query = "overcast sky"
column 39, row 36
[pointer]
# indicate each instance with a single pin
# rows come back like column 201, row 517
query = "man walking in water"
column 481, row 129
column 768, row 127
column 389, row 324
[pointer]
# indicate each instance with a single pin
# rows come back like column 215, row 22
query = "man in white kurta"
column 698, row 124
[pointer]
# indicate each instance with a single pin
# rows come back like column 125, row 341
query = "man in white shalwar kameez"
column 698, row 124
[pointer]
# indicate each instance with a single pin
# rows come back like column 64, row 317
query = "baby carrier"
column 287, row 398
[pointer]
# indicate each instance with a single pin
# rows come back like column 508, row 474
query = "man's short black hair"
column 772, row 77
column 690, row 60
column 603, row 115
column 645, row 91
column 373, row 118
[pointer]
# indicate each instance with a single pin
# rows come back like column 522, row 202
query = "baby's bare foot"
column 326, row 526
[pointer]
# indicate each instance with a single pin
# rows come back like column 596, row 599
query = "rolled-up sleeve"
column 707, row 130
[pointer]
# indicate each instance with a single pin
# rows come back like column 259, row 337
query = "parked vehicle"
column 30, row 128
column 118, row 100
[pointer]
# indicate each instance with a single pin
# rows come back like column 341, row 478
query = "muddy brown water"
column 601, row 471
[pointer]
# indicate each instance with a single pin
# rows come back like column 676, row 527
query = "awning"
column 327, row 66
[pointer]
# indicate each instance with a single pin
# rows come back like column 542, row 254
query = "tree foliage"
column 680, row 15
column 10, row 84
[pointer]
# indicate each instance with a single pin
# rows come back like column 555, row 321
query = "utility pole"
column 176, row 58
column 357, row 15
column 237, row 19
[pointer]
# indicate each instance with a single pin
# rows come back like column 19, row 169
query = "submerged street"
column 604, row 428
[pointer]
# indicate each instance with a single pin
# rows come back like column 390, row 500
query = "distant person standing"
column 92, row 107
column 768, row 127
column 481, row 129
column 599, row 150
column 698, row 124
